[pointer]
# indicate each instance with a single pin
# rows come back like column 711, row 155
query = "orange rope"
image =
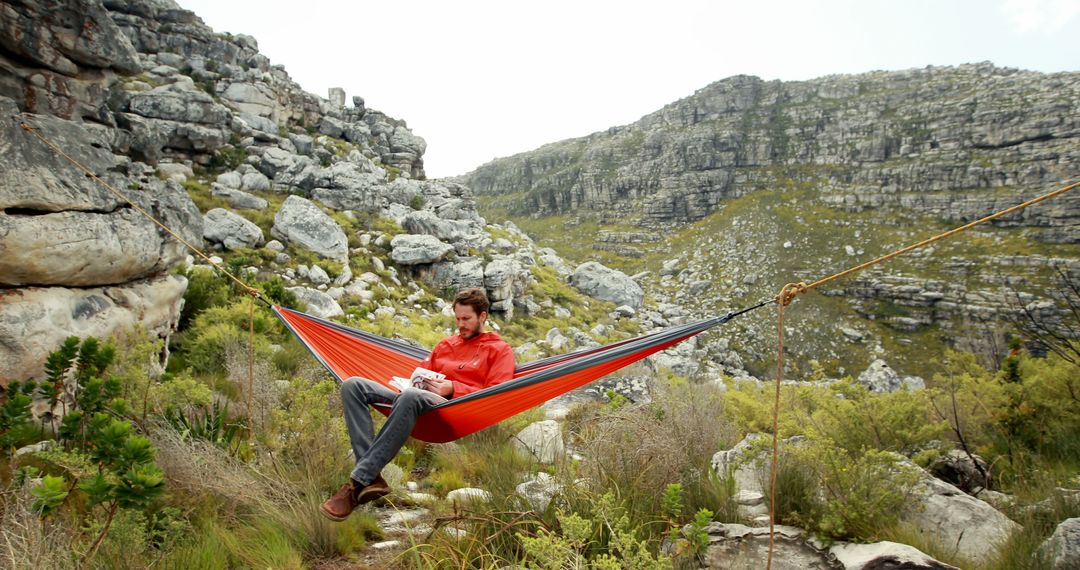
column 792, row 290
column 251, row 368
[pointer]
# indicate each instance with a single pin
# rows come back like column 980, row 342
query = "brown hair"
column 473, row 297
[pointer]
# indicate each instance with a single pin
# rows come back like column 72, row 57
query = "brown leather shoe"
column 341, row 505
column 378, row 488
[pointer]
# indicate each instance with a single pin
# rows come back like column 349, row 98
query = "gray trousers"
column 373, row 452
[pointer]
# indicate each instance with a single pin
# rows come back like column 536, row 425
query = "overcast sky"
column 486, row 79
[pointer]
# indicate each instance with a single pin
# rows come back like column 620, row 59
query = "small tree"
column 124, row 473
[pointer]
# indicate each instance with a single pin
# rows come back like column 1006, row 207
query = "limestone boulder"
column 505, row 278
column 602, row 282
column 44, row 33
column 254, row 98
column 238, row 198
column 231, row 230
column 956, row 520
column 350, row 189
column 884, row 556
column 1062, row 549
column 73, row 244
column 180, row 102
column 454, row 275
column 539, row 491
column 229, row 179
column 448, row 230
column 255, row 182
column 302, row 223
column 34, row 178
column 541, row 441
column 879, row 377
column 549, row 258
column 409, row 249
column 317, row 303
column 739, row 547
column 970, row 473
column 35, row 320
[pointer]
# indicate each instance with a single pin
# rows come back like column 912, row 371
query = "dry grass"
column 198, row 470
column 26, row 541
column 243, row 372
column 640, row 449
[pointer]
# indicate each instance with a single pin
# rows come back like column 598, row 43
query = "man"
column 471, row 360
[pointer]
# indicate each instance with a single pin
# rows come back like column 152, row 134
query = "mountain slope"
column 747, row 185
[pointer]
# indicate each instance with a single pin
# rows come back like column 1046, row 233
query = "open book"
column 418, row 379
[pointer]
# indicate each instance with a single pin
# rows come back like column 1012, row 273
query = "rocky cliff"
column 951, row 142
column 747, row 184
column 141, row 93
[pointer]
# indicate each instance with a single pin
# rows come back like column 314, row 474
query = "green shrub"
column 848, row 414
column 206, row 288
column 15, row 417
column 844, row 495
column 603, row 539
column 219, row 329
column 226, row 158
column 307, row 435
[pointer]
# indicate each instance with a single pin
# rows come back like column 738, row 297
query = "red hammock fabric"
column 348, row 352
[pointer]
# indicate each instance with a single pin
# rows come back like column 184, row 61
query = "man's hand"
column 444, row 387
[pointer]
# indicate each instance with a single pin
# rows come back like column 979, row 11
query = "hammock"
column 348, row 352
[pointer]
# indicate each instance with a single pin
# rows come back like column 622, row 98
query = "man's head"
column 471, row 311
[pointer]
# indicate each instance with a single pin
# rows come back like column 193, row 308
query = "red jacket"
column 482, row 361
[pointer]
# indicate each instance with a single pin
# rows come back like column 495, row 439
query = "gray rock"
column 427, row 222
column 303, row 143
column 748, row 462
column 880, row 378
column 608, row 284
column 255, row 182
column 302, row 223
column 318, row 303
column 539, row 491
column 956, row 520
column 259, row 127
column 254, row 98
column 178, row 172
column 411, row 249
column 541, row 441
column 739, row 547
column 34, row 321
column 230, row 230
column 318, row 276
column 43, row 34
column 467, row 495
column 884, row 556
column 505, row 279
column 231, row 179
column 1062, row 549
column 349, row 188
column 549, row 258
column 181, row 102
column 51, row 235
column 455, row 275
column 238, row 198
column 970, row 473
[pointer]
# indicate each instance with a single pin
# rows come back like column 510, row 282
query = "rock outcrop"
column 950, row 142
column 139, row 93
column 35, row 320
